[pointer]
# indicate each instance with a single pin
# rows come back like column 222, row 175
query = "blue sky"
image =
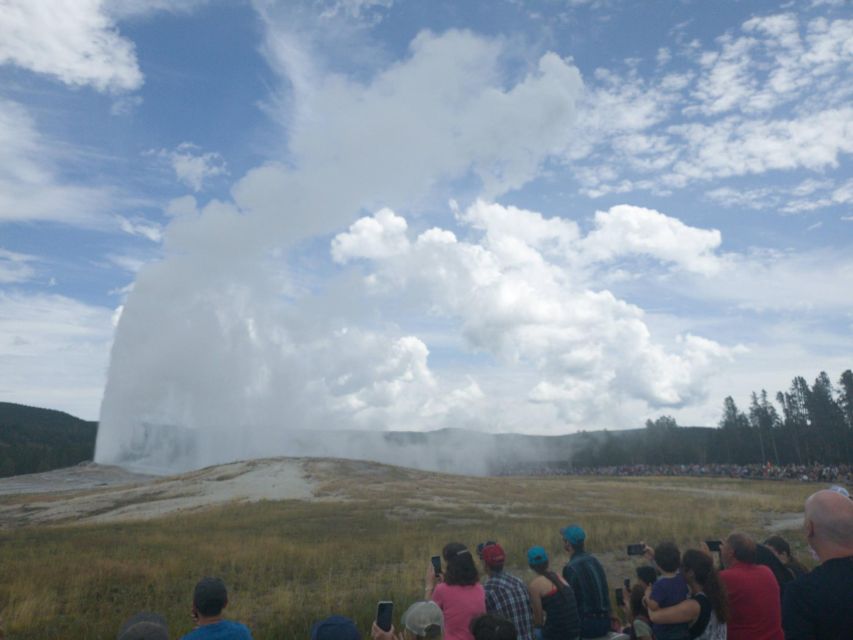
column 512, row 216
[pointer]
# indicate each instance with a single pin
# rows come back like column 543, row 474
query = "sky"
column 255, row 216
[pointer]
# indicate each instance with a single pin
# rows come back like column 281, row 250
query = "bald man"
column 819, row 605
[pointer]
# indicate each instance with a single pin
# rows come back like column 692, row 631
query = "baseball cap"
column 493, row 555
column 335, row 628
column 423, row 618
column 840, row 489
column 537, row 555
column 573, row 534
column 483, row 545
column 144, row 626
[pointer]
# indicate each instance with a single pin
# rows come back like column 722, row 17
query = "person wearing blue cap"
column 555, row 611
column 588, row 581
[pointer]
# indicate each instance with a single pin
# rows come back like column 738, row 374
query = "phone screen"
column 714, row 545
column 636, row 549
column 436, row 564
column 384, row 611
column 627, row 584
column 620, row 600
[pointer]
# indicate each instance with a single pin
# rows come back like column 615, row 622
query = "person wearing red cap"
column 506, row 594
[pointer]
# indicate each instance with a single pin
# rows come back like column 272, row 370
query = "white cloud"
column 733, row 147
column 734, row 76
column 29, row 188
column 142, row 228
column 519, row 295
column 53, row 352
column 772, row 96
column 765, row 281
column 129, row 263
column 626, row 230
column 15, row 267
column 124, row 9
column 76, row 42
column 380, row 236
column 761, row 198
column 355, row 8
column 808, row 195
column 193, row 168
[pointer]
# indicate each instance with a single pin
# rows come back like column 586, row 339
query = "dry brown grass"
column 368, row 538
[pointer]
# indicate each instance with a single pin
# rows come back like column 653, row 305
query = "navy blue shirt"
column 586, row 577
column 668, row 592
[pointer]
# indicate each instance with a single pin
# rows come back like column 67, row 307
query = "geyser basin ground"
column 297, row 539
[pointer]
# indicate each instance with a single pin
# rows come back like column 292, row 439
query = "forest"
column 803, row 425
column 34, row 440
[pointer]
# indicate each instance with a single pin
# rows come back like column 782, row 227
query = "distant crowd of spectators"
column 841, row 473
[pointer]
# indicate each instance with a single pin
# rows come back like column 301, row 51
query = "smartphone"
column 636, row 549
column 620, row 600
column 436, row 564
column 627, row 583
column 714, row 545
column 384, row 611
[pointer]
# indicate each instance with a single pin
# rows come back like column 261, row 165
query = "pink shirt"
column 460, row 605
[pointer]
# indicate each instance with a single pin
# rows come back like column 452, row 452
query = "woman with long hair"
column 457, row 591
column 707, row 609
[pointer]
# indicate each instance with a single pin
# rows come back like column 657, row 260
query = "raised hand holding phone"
column 384, row 613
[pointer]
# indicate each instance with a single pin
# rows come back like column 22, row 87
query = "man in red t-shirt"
column 755, row 612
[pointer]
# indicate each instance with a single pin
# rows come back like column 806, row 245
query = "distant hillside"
column 33, row 439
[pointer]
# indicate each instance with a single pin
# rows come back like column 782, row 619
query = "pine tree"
column 827, row 420
column 845, row 397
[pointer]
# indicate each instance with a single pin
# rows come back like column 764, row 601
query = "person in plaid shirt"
column 506, row 594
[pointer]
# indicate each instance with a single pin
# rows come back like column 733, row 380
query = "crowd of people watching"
column 742, row 590
column 840, row 473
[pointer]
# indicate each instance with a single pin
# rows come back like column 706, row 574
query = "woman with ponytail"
column 706, row 610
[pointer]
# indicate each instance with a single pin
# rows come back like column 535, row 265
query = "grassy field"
column 368, row 537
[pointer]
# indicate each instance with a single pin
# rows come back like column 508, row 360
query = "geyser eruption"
column 226, row 347
column 282, row 323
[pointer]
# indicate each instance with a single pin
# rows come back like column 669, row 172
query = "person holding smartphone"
column 457, row 592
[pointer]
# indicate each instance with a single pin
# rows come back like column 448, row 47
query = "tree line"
column 34, row 440
column 807, row 424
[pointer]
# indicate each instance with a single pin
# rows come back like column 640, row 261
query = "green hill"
column 34, row 439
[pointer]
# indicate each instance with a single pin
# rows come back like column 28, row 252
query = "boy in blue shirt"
column 668, row 590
